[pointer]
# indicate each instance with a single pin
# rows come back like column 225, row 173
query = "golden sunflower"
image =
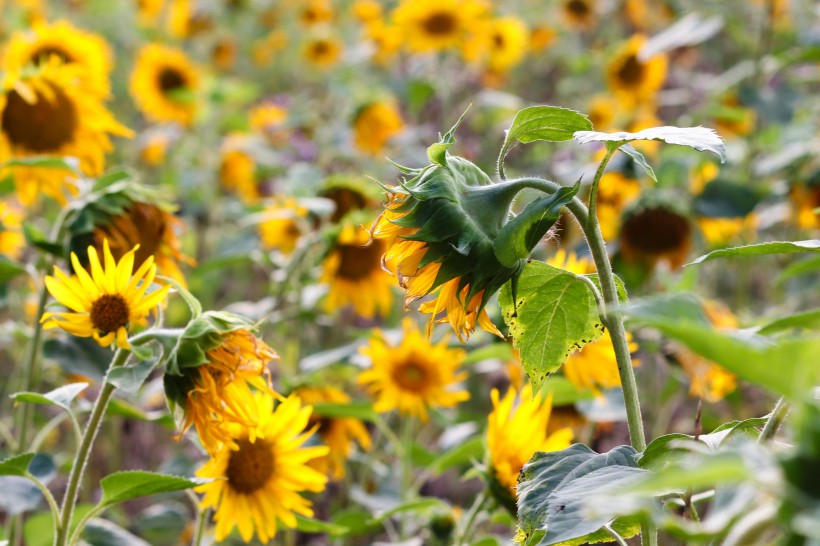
column 46, row 113
column 636, row 80
column 314, row 12
column 154, row 148
column 12, row 240
column 164, row 84
column 105, row 303
column 148, row 12
column 237, row 173
column 375, row 124
column 348, row 194
column 708, row 380
column 353, row 269
column 367, row 11
column 501, row 43
column 602, row 112
column 224, row 53
column 258, row 485
column 386, row 41
column 322, row 51
column 88, row 53
column 152, row 229
column 648, row 15
column 284, row 222
column 413, row 376
column 516, row 431
column 221, row 397
column 263, row 49
column 595, row 366
column 615, row 192
column 338, row 433
column 435, row 25
column 720, row 231
column 579, row 14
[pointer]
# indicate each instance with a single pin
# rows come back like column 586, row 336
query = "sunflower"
column 708, row 380
column 348, row 193
column 636, row 80
column 148, row 12
column 154, row 147
column 653, row 231
column 237, row 173
column 105, row 303
column 594, row 366
column 322, row 51
column 164, row 84
column 151, row 228
column 516, row 431
column 602, row 110
column 569, row 261
column 375, row 124
column 257, row 486
column 313, row 12
column 805, row 200
column 541, row 38
column 268, row 119
column 501, row 43
column 338, row 433
column 367, row 11
column 12, row 240
column 224, row 53
column 88, row 53
column 719, row 231
column 435, row 25
column 615, row 192
column 413, row 376
column 579, row 14
column 221, row 394
column 353, row 269
column 263, row 49
column 386, row 41
column 282, row 225
column 46, row 112
column 648, row 14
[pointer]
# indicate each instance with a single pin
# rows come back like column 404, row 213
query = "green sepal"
column 437, row 153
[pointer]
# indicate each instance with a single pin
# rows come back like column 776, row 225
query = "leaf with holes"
column 699, row 138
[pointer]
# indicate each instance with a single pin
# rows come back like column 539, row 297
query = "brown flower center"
column 358, row 262
column 656, row 231
column 345, row 200
column 632, row 71
column 578, row 7
column 498, row 40
column 109, row 312
column 251, row 466
column 43, row 126
column 320, row 48
column 44, row 53
column 440, row 24
column 171, row 80
column 410, row 376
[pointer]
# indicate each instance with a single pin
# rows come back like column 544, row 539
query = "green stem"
column 78, row 529
column 83, row 452
column 201, row 525
column 52, row 504
column 774, row 421
column 469, row 523
column 593, row 192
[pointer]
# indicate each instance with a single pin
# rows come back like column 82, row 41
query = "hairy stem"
column 776, row 418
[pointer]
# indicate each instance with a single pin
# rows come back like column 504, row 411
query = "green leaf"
column 519, row 236
column 38, row 239
column 130, row 378
column 413, row 505
column 100, row 532
column 9, row 269
column 723, row 199
column 310, row 525
column 463, row 453
column 358, row 410
column 554, row 315
column 38, row 529
column 77, row 355
column 639, row 160
column 554, row 485
column 808, row 266
column 47, row 162
column 563, row 392
column 17, row 465
column 699, row 138
column 549, row 123
column 760, row 249
column 60, row 397
column 123, row 486
column 808, row 320
column 18, row 495
column 678, row 477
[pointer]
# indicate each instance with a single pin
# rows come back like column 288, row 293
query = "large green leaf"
column 554, row 485
column 699, row 138
column 123, row 486
column 130, row 378
column 760, row 249
column 549, row 123
column 554, row 314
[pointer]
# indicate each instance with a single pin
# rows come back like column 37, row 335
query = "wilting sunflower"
column 46, row 112
column 258, row 485
column 435, row 25
column 516, row 429
column 375, row 124
column 237, row 173
column 12, row 240
column 413, row 376
column 353, row 269
column 322, row 51
column 107, row 302
column 164, row 84
column 580, row 14
column 338, row 433
column 501, row 43
column 708, row 380
column 633, row 79
column 616, row 191
column 656, row 230
column 88, row 53
column 594, row 367
column 221, row 394
column 284, row 222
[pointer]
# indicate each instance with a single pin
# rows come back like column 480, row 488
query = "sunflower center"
column 498, row 40
column 358, row 262
column 578, row 7
column 410, row 376
column 251, row 466
column 320, row 48
column 170, row 80
column 44, row 126
column 440, row 24
column 46, row 52
column 109, row 312
column 345, row 200
column 632, row 71
column 656, row 231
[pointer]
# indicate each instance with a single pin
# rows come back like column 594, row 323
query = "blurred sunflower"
column 88, row 53
column 224, row 53
column 348, row 193
column 12, row 240
column 708, row 380
column 805, row 200
column 282, row 225
column 164, row 84
column 413, row 376
column 648, row 15
column 367, row 11
column 312, row 12
column 268, row 119
column 220, row 395
column 501, row 43
column 594, row 367
column 353, row 269
column 154, row 147
column 656, row 231
column 615, row 192
column 435, row 25
column 720, row 231
column 237, row 171
column 375, row 124
column 602, row 110
column 338, row 433
column 257, row 485
column 541, row 38
column 516, row 429
column 579, row 14
column 263, row 50
column 569, row 261
column 188, row 18
column 148, row 12
column 386, row 41
column 107, row 302
column 45, row 112
column 322, row 51
column 633, row 79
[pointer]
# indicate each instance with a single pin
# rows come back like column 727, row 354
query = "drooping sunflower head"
column 634, row 79
column 164, row 84
column 517, row 428
column 579, row 14
column 322, row 51
column 258, row 485
column 413, row 376
column 353, row 270
column 655, row 228
column 594, row 366
column 88, row 53
column 284, row 222
column 435, row 25
column 338, row 433
column 47, row 111
column 375, row 124
column 106, row 300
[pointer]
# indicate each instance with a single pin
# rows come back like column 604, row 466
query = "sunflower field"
column 409, row 272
